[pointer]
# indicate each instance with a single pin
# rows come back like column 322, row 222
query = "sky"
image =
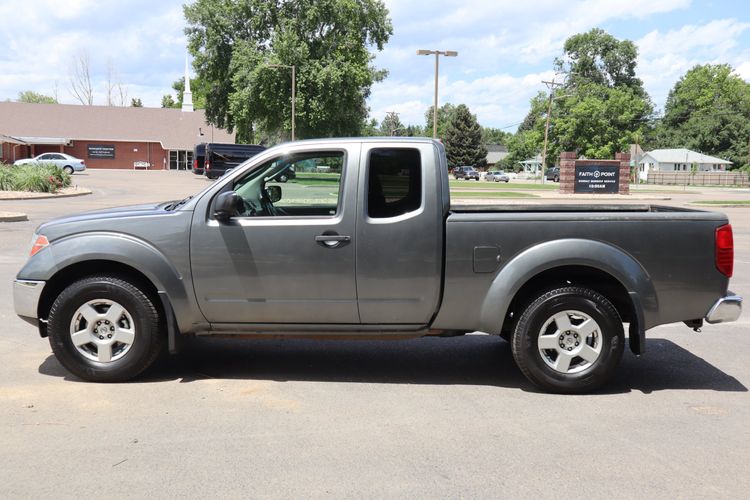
column 505, row 48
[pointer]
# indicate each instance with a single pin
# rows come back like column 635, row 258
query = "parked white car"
column 496, row 176
column 68, row 163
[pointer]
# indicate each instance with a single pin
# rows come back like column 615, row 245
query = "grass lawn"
column 722, row 202
column 491, row 194
column 550, row 186
column 316, row 179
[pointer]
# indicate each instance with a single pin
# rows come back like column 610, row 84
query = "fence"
column 699, row 178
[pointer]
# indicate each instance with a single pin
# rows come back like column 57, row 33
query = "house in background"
column 496, row 153
column 678, row 160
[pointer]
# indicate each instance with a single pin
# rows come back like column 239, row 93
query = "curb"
column 13, row 217
column 43, row 196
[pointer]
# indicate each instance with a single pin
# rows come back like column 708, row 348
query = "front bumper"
column 725, row 309
column 26, row 294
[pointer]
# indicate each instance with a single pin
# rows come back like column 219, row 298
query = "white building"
column 532, row 166
column 679, row 160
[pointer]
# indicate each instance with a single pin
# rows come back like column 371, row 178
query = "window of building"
column 394, row 182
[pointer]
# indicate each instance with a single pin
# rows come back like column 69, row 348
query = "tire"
column 68, row 169
column 557, row 178
column 560, row 320
column 83, row 312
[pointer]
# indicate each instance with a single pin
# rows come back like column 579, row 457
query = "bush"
column 6, row 178
column 44, row 178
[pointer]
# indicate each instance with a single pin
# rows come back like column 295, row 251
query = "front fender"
column 122, row 248
column 567, row 252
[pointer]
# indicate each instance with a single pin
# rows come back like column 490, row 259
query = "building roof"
column 173, row 128
column 682, row 155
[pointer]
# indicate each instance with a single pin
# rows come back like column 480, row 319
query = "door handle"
column 332, row 240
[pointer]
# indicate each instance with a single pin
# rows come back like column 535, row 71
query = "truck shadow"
column 469, row 360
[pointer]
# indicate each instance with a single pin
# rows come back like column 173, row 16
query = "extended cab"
column 371, row 248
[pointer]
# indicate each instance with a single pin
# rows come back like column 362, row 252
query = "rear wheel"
column 104, row 329
column 569, row 340
column 68, row 169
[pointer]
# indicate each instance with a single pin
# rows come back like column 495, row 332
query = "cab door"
column 289, row 262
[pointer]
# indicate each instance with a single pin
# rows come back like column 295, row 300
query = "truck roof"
column 339, row 140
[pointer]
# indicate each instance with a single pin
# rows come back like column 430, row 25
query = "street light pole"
column 294, row 88
column 438, row 53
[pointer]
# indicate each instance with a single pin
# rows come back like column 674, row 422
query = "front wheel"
column 104, row 329
column 68, row 169
column 569, row 340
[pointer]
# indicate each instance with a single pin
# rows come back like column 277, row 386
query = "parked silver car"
column 68, row 163
column 497, row 176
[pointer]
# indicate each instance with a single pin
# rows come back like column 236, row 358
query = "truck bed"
column 556, row 208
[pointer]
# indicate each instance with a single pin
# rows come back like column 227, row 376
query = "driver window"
column 299, row 184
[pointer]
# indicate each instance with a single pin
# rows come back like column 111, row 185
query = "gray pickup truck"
column 364, row 244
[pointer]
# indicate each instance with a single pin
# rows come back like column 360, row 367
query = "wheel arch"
column 72, row 258
column 596, row 265
column 83, row 269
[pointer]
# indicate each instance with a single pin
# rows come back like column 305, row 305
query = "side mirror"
column 227, row 206
column 273, row 193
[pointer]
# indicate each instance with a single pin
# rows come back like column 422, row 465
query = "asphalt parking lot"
column 426, row 418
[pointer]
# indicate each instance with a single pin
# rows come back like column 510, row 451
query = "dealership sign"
column 597, row 179
column 103, row 151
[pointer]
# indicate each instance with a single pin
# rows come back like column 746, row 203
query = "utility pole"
column 551, row 86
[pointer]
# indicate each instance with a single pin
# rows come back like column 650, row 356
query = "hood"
column 129, row 211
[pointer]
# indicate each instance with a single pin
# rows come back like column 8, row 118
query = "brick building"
column 106, row 136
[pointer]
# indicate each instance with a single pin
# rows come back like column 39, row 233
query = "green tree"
column 30, row 96
column 392, row 125
column 495, row 136
column 708, row 110
column 599, row 110
column 168, row 101
column 463, row 139
column 445, row 114
column 415, row 131
column 599, row 58
column 136, row 102
column 234, row 42
column 370, row 128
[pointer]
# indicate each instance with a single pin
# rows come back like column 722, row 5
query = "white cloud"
column 744, row 70
column 665, row 57
column 497, row 100
column 147, row 51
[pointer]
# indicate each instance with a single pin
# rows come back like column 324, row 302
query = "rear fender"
column 569, row 252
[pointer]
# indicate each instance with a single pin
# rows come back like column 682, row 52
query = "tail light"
column 195, row 164
column 724, row 254
column 207, row 165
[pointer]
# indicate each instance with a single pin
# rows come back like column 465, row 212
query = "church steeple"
column 187, row 96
